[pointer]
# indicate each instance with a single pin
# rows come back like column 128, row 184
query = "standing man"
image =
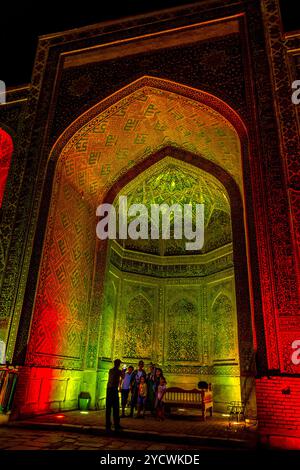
column 135, row 382
column 151, row 382
column 112, row 396
column 125, row 389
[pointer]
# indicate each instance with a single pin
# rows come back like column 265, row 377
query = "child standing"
column 159, row 403
column 142, row 397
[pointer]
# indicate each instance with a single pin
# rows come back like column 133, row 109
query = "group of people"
column 142, row 391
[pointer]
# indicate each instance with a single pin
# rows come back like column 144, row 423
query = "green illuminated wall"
column 187, row 325
column 170, row 306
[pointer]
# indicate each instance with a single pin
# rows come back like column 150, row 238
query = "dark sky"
column 21, row 23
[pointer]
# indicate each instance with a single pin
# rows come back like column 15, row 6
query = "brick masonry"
column 278, row 410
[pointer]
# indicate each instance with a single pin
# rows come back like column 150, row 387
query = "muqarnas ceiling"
column 174, row 182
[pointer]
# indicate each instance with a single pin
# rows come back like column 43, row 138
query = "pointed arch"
column 200, row 96
column 59, row 272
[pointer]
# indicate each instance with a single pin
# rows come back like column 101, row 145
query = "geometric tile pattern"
column 139, row 125
column 61, row 310
column 91, row 161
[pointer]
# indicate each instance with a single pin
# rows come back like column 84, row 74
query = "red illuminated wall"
column 6, row 150
column 278, row 410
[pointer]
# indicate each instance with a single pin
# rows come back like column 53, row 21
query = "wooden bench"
column 197, row 399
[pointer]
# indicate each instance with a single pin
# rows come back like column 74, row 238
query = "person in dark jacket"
column 135, row 381
column 151, row 382
column 112, row 396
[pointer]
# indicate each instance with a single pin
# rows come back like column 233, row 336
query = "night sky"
column 22, row 22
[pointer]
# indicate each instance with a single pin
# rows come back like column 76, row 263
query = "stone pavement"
column 37, row 439
column 40, row 448
column 179, row 429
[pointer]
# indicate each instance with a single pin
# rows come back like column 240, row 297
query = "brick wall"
column 278, row 411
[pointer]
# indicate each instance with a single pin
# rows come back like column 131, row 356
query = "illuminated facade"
column 177, row 107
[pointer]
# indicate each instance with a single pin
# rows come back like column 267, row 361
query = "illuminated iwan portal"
column 171, row 306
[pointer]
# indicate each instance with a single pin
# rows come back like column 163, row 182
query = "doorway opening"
column 170, row 306
column 155, row 140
